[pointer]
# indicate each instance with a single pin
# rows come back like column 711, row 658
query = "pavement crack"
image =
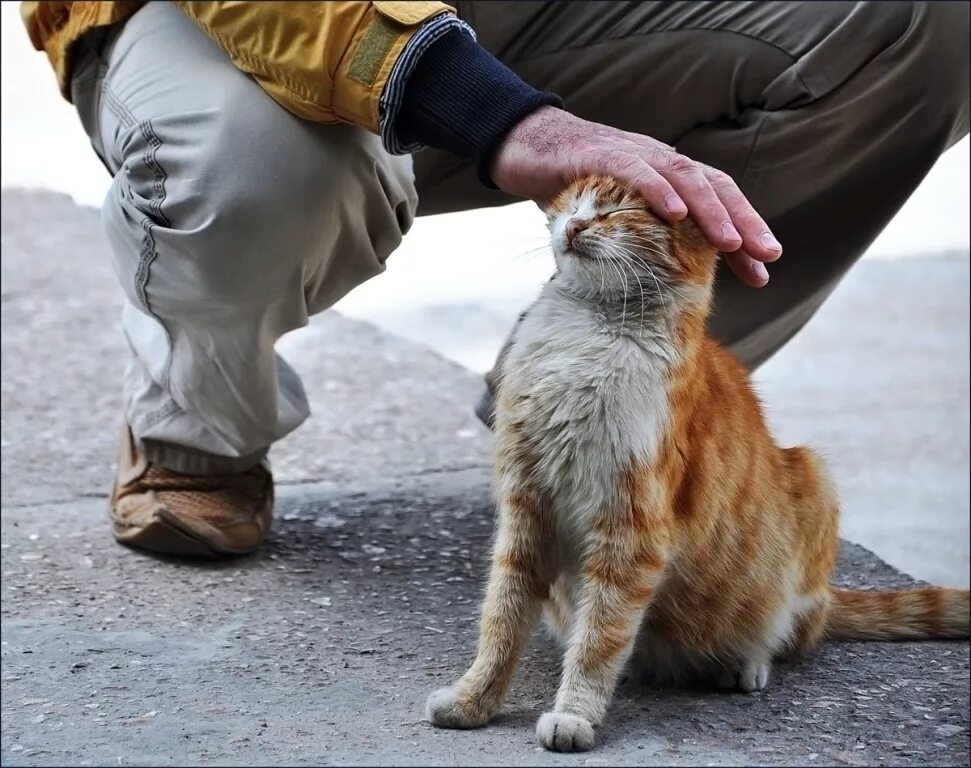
column 403, row 476
column 90, row 495
column 54, row 502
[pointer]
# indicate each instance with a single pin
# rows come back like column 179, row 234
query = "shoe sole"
column 164, row 536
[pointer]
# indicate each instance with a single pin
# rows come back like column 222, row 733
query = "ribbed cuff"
column 186, row 461
column 461, row 99
column 394, row 90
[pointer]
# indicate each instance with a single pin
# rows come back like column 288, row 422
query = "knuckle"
column 591, row 161
column 719, row 179
column 748, row 219
column 619, row 160
column 682, row 165
column 715, row 214
column 654, row 186
column 702, row 187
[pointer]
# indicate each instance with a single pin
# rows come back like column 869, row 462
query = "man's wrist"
column 461, row 99
column 531, row 136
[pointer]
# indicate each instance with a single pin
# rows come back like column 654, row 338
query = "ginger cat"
column 641, row 496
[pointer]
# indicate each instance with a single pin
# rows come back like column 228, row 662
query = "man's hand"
column 550, row 148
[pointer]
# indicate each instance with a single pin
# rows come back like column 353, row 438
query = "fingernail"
column 770, row 243
column 674, row 204
column 761, row 272
column 729, row 232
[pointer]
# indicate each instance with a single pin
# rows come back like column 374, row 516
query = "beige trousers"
column 231, row 221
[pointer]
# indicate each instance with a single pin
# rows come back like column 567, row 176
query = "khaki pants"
column 231, row 221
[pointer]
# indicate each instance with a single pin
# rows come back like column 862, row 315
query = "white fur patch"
column 590, row 394
column 793, row 606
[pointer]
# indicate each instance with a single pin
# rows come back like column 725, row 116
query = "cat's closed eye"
column 622, row 210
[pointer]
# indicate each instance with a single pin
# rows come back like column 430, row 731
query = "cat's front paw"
column 562, row 732
column 450, row 708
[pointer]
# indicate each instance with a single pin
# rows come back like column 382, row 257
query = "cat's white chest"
column 591, row 400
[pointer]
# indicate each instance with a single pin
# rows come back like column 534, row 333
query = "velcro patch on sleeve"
column 372, row 50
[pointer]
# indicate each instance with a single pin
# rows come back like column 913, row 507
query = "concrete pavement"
column 321, row 648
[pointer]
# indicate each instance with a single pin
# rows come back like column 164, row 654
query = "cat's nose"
column 574, row 227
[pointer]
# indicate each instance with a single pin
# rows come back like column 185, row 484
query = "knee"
column 940, row 32
column 934, row 63
column 280, row 182
column 246, row 200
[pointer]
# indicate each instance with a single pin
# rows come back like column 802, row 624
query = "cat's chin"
column 580, row 257
column 573, row 253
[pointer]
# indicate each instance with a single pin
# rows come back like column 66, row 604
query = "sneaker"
column 163, row 511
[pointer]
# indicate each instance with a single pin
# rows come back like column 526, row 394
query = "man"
column 260, row 154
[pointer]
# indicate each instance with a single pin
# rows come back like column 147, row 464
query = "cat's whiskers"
column 604, row 245
column 600, row 242
column 631, row 255
column 618, row 267
column 622, row 266
column 540, row 250
column 603, row 274
column 643, row 294
column 643, row 244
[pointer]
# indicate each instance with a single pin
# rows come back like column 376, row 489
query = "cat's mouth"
column 579, row 253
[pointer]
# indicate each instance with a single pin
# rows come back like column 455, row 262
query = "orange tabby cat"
column 640, row 494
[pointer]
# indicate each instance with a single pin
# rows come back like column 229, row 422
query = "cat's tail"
column 922, row 613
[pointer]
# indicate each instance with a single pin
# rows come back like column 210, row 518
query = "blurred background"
column 459, row 280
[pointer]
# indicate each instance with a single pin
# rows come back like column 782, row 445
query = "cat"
column 642, row 502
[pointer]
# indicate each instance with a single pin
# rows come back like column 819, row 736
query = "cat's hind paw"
column 752, row 677
column 562, row 732
column 450, row 708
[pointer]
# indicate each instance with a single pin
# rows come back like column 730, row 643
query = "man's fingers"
column 749, row 271
column 648, row 183
column 704, row 206
column 676, row 186
column 757, row 240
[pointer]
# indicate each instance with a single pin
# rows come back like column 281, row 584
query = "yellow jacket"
column 323, row 61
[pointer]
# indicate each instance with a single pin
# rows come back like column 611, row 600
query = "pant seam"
column 114, row 104
column 149, row 252
column 125, row 118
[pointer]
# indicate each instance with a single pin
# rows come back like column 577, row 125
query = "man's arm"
column 460, row 99
column 324, row 61
column 414, row 73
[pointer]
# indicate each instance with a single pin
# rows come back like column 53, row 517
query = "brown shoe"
column 192, row 515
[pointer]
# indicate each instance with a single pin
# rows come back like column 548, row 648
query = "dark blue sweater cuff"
column 463, row 100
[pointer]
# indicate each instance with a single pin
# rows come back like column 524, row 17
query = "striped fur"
column 643, row 505
column 906, row 614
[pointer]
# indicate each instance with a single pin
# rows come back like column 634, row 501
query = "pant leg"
column 828, row 115
column 230, row 221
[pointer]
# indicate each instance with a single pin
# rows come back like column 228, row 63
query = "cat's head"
column 608, row 245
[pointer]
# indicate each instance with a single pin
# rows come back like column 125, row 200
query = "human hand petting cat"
column 550, row 148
